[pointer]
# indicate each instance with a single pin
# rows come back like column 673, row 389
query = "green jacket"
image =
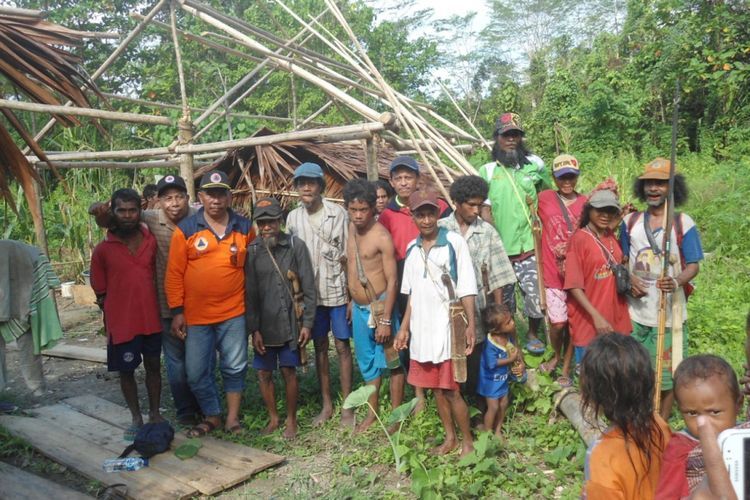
column 509, row 188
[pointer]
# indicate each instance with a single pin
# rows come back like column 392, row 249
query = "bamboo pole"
column 322, row 135
column 106, row 64
column 180, row 73
column 164, row 105
column 463, row 115
column 186, row 159
column 302, row 73
column 90, row 112
column 371, row 155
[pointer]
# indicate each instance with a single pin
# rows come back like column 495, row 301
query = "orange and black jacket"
column 205, row 278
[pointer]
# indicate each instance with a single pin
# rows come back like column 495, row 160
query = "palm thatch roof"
column 258, row 171
column 34, row 59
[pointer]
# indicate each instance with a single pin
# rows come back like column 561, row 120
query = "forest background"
column 594, row 78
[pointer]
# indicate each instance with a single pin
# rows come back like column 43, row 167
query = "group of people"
column 399, row 271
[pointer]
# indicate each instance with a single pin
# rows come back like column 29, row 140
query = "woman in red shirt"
column 594, row 306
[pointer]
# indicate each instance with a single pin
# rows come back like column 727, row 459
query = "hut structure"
column 387, row 122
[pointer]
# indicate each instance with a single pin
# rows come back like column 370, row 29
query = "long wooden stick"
column 90, row 112
column 666, row 252
column 178, row 60
column 463, row 115
column 106, row 64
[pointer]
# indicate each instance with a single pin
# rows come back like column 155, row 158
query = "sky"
column 442, row 8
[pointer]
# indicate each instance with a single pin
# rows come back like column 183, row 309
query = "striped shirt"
column 327, row 246
column 162, row 228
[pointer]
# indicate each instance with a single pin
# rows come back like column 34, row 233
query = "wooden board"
column 67, row 351
column 86, row 457
column 224, row 452
column 21, row 485
column 83, row 431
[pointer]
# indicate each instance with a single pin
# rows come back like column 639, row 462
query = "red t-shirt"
column 555, row 234
column 128, row 281
column 587, row 268
column 397, row 220
column 673, row 483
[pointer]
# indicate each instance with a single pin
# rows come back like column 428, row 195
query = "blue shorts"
column 578, row 353
column 128, row 356
column 279, row 356
column 331, row 319
column 370, row 355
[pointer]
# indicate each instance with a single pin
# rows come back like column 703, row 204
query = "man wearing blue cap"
column 322, row 225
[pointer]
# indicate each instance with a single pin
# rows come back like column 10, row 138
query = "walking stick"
column 666, row 252
column 536, row 229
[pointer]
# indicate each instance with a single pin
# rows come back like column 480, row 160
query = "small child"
column 704, row 385
column 617, row 381
column 499, row 353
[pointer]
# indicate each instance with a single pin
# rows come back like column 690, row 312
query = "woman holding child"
column 594, row 306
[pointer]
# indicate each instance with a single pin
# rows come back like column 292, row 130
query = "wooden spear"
column 666, row 252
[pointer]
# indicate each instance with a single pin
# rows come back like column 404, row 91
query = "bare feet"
column 466, row 448
column 420, row 406
column 365, row 424
column 347, row 418
column 155, row 418
column 324, row 415
column 290, row 429
column 445, row 448
column 272, row 426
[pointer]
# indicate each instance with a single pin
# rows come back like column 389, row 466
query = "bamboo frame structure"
column 411, row 126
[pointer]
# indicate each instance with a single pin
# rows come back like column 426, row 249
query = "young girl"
column 617, row 381
column 498, row 356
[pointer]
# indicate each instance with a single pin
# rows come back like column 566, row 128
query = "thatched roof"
column 270, row 168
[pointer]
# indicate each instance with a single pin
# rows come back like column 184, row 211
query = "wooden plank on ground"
column 199, row 472
column 86, row 457
column 21, row 485
column 223, row 452
column 67, row 351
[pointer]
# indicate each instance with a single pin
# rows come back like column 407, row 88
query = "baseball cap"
column 604, row 198
column 404, row 161
column 310, row 170
column 657, row 169
column 507, row 123
column 423, row 197
column 267, row 208
column 170, row 181
column 565, row 164
column 215, row 179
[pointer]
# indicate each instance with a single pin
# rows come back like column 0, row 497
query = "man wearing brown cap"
column 437, row 257
column 515, row 176
column 641, row 238
column 271, row 309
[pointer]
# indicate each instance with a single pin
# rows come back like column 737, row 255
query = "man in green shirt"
column 515, row 176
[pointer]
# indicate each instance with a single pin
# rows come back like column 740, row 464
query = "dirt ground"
column 311, row 468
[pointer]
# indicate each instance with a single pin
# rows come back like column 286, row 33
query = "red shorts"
column 431, row 375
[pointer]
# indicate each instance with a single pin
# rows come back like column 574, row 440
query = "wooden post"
column 41, row 234
column 371, row 153
column 186, row 159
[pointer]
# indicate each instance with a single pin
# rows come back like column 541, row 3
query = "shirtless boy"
column 372, row 276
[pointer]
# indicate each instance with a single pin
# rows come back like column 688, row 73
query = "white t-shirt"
column 647, row 265
column 430, row 330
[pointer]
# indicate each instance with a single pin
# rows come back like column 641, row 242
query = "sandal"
column 130, row 432
column 564, row 381
column 535, row 346
column 201, row 429
column 547, row 367
column 235, row 429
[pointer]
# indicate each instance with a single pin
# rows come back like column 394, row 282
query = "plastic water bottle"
column 124, row 464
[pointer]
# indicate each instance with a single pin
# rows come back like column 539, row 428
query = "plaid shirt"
column 485, row 247
column 162, row 228
column 327, row 248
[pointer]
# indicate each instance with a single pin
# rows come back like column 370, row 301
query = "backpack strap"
column 632, row 221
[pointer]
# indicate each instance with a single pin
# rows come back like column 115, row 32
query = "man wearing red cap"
column 641, row 238
column 515, row 176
